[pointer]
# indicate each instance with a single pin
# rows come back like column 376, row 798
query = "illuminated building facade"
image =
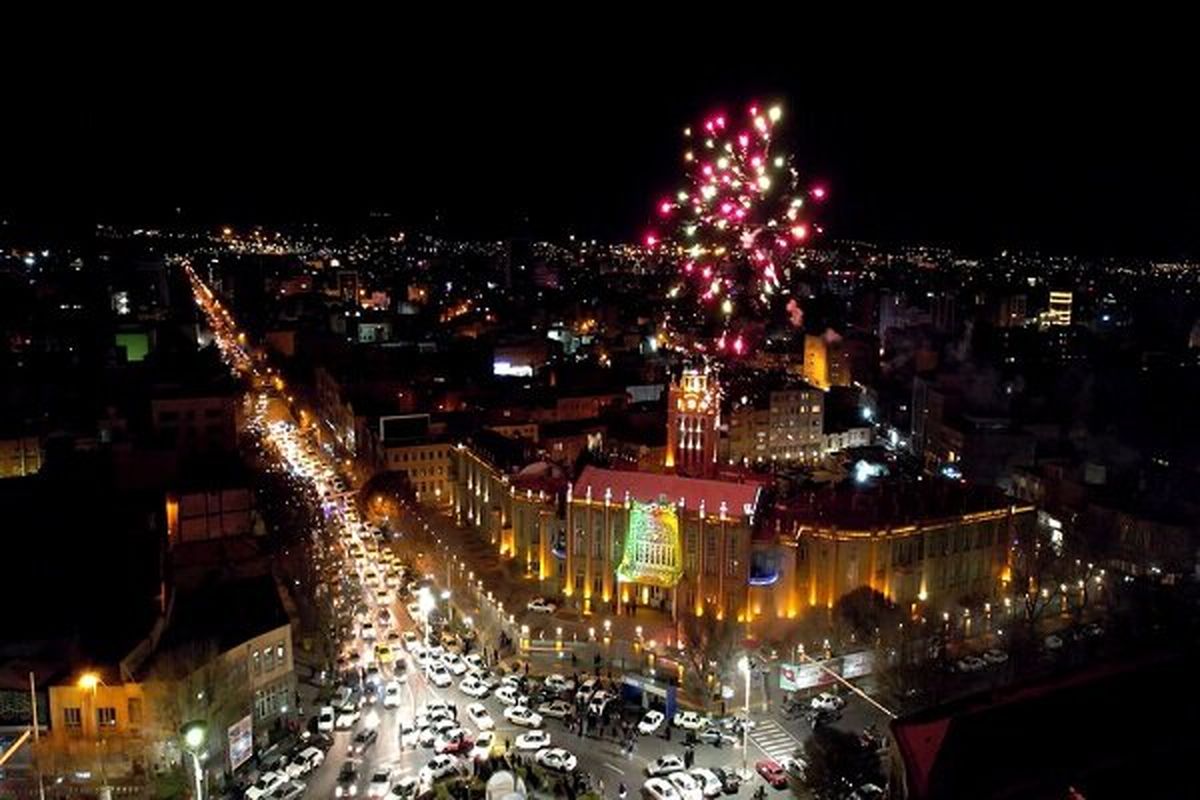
column 781, row 425
column 693, row 417
column 1060, row 308
column 682, row 545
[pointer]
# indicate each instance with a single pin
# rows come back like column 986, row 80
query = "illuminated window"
column 73, row 717
column 106, row 717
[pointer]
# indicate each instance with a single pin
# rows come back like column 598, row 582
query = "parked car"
column 509, row 695
column 473, row 687
column 522, row 715
column 266, row 783
column 690, row 720
column 995, row 656
column 292, row 790
column 541, row 605
column 533, row 740
column 326, row 719
column 404, row 789
column 439, row 767
column 665, row 765
column 659, row 789
column 555, row 709
column 710, row 784
column 650, row 722
column 305, row 762
column 772, row 772
column 827, row 702
column 556, row 759
column 439, row 676
column 478, row 714
column 558, row 683
column 717, row 737
column 380, row 783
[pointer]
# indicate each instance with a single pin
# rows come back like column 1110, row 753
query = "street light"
column 426, row 604
column 194, row 734
column 744, row 667
column 90, row 681
column 449, row 606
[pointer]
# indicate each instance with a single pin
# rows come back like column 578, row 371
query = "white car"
column 426, row 657
column 521, row 715
column 439, row 767
column 391, row 694
column 474, row 662
column 509, row 695
column 473, row 687
column 383, row 596
column 995, row 656
column 599, row 703
column 411, row 641
column 439, row 676
column 428, row 716
column 650, row 723
column 659, row 789
column 558, row 683
column 367, row 631
column 686, row 785
column 690, row 720
column 533, row 740
column 326, row 719
column 665, row 765
column 428, row 736
column 408, row 733
column 971, row 664
column 305, row 762
column 266, row 783
column 827, row 702
column 381, row 782
column 414, row 611
column 347, row 716
column 454, row 663
column 1053, row 642
column 710, row 784
column 480, row 717
column 483, row 745
column 555, row 709
column 557, row 759
column 541, row 605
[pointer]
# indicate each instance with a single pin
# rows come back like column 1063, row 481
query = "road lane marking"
column 617, row 770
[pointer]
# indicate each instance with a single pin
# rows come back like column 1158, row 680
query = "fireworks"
column 733, row 229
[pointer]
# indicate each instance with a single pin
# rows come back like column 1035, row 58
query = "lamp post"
column 90, row 681
column 425, row 603
column 449, row 606
column 194, row 734
column 744, row 667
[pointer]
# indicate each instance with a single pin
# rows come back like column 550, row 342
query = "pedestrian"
column 602, row 787
column 621, row 791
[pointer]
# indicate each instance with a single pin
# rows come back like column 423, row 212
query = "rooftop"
column 225, row 613
column 739, row 498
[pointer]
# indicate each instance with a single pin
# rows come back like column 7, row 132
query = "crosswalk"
column 773, row 739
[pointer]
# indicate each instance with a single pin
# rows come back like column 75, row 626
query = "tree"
column 865, row 612
column 839, row 762
column 711, row 645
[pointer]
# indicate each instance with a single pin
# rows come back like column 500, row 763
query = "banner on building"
column 855, row 665
column 241, row 741
column 797, row 677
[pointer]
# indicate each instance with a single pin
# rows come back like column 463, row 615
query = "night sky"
column 545, row 148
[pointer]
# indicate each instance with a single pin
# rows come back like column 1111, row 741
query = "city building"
column 693, row 419
column 778, row 424
column 196, row 423
column 1059, row 312
column 20, row 454
column 826, row 361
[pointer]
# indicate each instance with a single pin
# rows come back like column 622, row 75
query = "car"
column 509, row 695
column 380, row 783
column 367, row 630
column 772, row 772
column 1093, row 630
column 541, row 605
column 868, row 791
column 686, row 785
column 383, row 653
column 558, row 683
column 731, row 779
column 434, row 709
column 709, row 783
column 1053, row 642
column 971, row 664
column 599, row 703
column 342, row 696
column 454, row 740
column 533, row 740
column 372, row 679
column 827, row 702
column 410, row 638
column 454, row 663
column 473, row 687
column 474, row 662
column 665, row 765
column 690, row 720
column 438, row 675
column 347, row 716
column 326, row 719
column 404, row 789
column 650, row 722
column 414, row 611
column 305, row 762
column 383, row 596
column 659, row 789
column 717, row 736
column 483, row 745
column 391, row 694
column 425, row 658
column 794, row 767
column 292, row 790
column 427, row 737
column 584, row 693
column 408, row 734
column 478, row 714
column 556, row 759
column 265, row 784
column 363, row 741
column 441, row 766
column 555, row 709
column 347, row 780
column 524, row 716
column 995, row 656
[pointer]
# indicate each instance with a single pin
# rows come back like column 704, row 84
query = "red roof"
column 740, row 499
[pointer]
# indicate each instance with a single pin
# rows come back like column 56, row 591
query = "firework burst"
column 733, row 229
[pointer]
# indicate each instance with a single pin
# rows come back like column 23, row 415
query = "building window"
column 731, row 560
column 135, row 711
column 280, row 652
column 73, row 718
column 256, row 663
column 268, row 656
column 106, row 717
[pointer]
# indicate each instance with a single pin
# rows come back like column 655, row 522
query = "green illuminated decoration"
column 653, row 551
